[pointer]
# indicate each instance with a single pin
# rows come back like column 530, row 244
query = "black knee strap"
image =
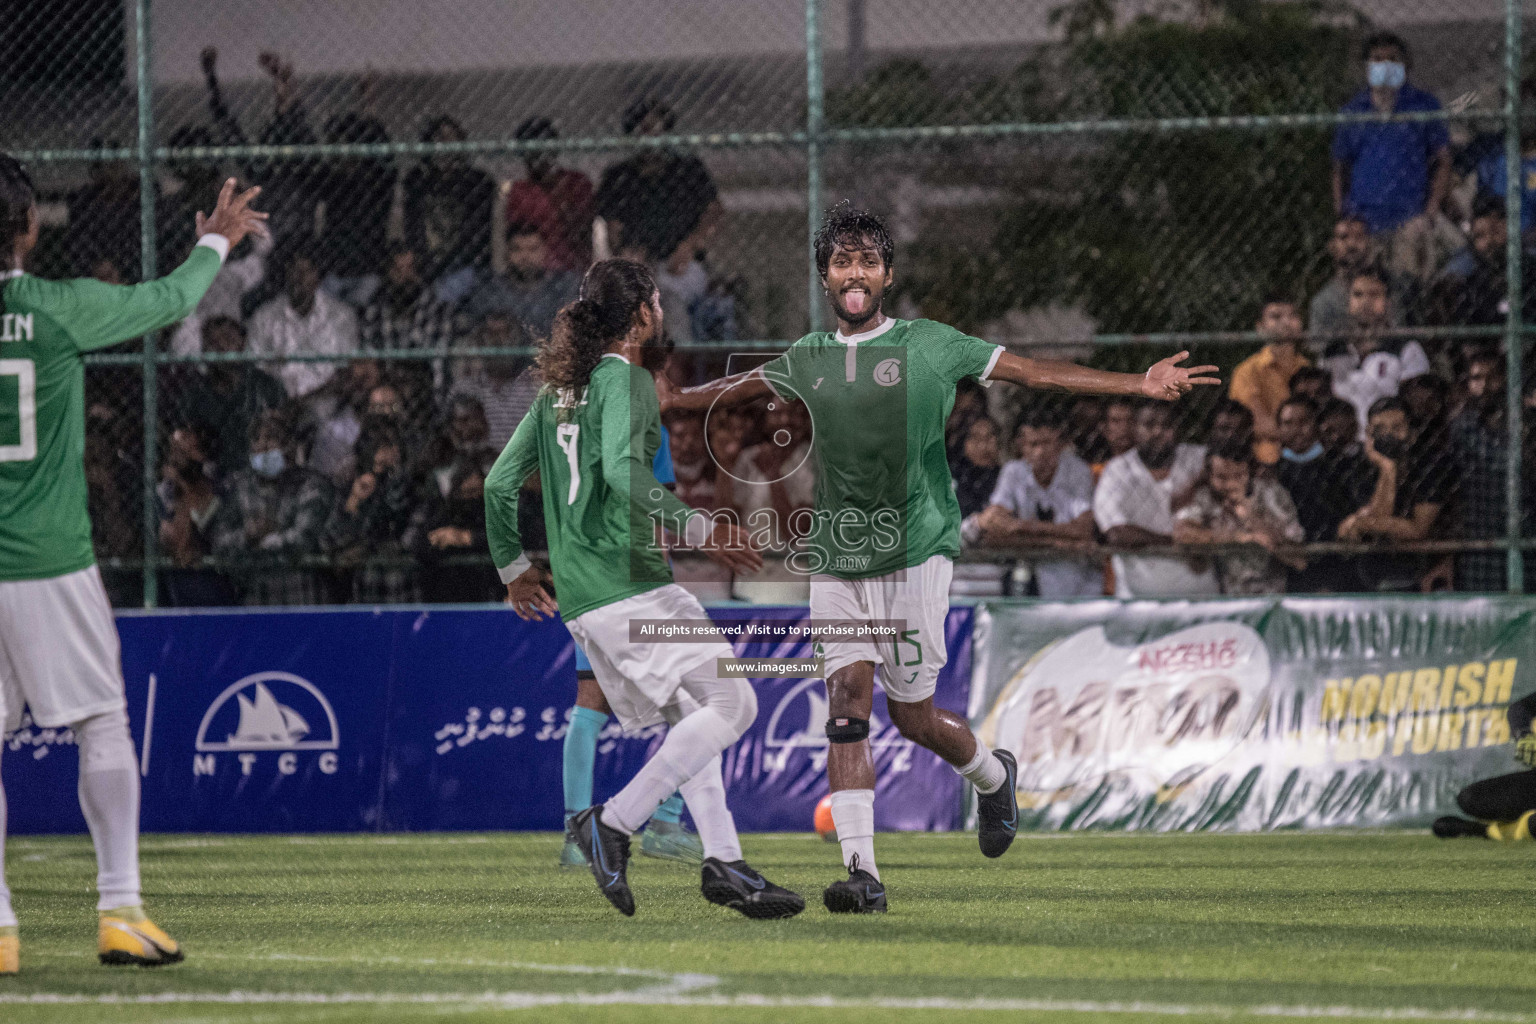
column 847, row 730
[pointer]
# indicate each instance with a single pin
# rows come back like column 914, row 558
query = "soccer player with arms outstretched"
column 592, row 434
column 59, row 651
column 886, row 525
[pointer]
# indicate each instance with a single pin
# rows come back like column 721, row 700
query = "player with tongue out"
column 886, row 527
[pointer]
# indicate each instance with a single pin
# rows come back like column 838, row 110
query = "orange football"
column 823, row 820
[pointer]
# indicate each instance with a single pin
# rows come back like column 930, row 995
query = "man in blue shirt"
column 1394, row 175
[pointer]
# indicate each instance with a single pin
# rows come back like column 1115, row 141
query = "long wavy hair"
column 612, row 294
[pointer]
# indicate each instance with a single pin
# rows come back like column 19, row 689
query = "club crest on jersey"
column 888, row 372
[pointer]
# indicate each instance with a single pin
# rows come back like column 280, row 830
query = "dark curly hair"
column 845, row 224
column 612, row 293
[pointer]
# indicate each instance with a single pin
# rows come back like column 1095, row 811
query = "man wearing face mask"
column 274, row 513
column 1395, row 175
column 1411, row 494
column 1480, row 444
column 1325, row 486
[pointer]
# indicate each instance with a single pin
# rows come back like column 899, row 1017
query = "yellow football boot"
column 1516, row 831
column 122, row 940
column 10, row 951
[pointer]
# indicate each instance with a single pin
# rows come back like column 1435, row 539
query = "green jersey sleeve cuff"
column 517, row 568
column 985, row 377
column 218, row 243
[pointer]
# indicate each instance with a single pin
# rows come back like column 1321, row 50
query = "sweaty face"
column 1297, row 428
column 856, row 280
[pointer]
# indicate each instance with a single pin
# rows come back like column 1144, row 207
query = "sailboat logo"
column 269, row 711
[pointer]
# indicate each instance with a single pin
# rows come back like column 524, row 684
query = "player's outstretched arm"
column 97, row 315
column 737, row 389
column 1165, row 380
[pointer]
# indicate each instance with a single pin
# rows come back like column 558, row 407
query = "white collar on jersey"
column 873, row 332
column 10, row 274
column 615, row 355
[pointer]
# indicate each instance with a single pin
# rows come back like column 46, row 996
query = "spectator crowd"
column 325, row 474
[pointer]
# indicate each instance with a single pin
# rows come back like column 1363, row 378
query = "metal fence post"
column 146, row 158
column 1514, row 336
column 814, row 126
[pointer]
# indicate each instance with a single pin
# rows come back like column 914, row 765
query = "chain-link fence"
column 1102, row 180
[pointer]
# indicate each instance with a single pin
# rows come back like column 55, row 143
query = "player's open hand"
column 730, row 546
column 529, row 597
column 1167, row 380
column 233, row 217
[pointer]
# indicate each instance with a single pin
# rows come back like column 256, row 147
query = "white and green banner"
column 1250, row 714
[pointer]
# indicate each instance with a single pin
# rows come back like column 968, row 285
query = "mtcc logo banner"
column 276, row 712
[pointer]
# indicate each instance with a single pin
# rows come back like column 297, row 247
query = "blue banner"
column 416, row 719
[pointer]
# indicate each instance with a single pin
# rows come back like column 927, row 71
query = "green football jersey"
column 603, row 505
column 884, row 496
column 45, row 530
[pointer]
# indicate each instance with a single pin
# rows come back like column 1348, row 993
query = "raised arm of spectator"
column 227, row 130
column 1164, row 380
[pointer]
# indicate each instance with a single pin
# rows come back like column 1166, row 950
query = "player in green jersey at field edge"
column 886, row 525
column 59, row 651
column 592, row 434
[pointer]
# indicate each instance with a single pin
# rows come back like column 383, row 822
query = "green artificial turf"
column 1063, row 928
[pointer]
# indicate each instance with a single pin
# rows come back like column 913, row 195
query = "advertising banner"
column 413, row 719
column 1250, row 714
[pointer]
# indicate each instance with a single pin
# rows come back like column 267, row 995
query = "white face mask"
column 268, row 464
column 1386, row 74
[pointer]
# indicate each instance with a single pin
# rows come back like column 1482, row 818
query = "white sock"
column 705, row 796
column 984, row 771
column 7, row 915
column 109, row 796
column 689, row 746
column 853, row 812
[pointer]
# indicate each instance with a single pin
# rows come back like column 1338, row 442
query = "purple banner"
column 415, row 719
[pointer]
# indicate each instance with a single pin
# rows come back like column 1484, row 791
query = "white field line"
column 664, row 995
